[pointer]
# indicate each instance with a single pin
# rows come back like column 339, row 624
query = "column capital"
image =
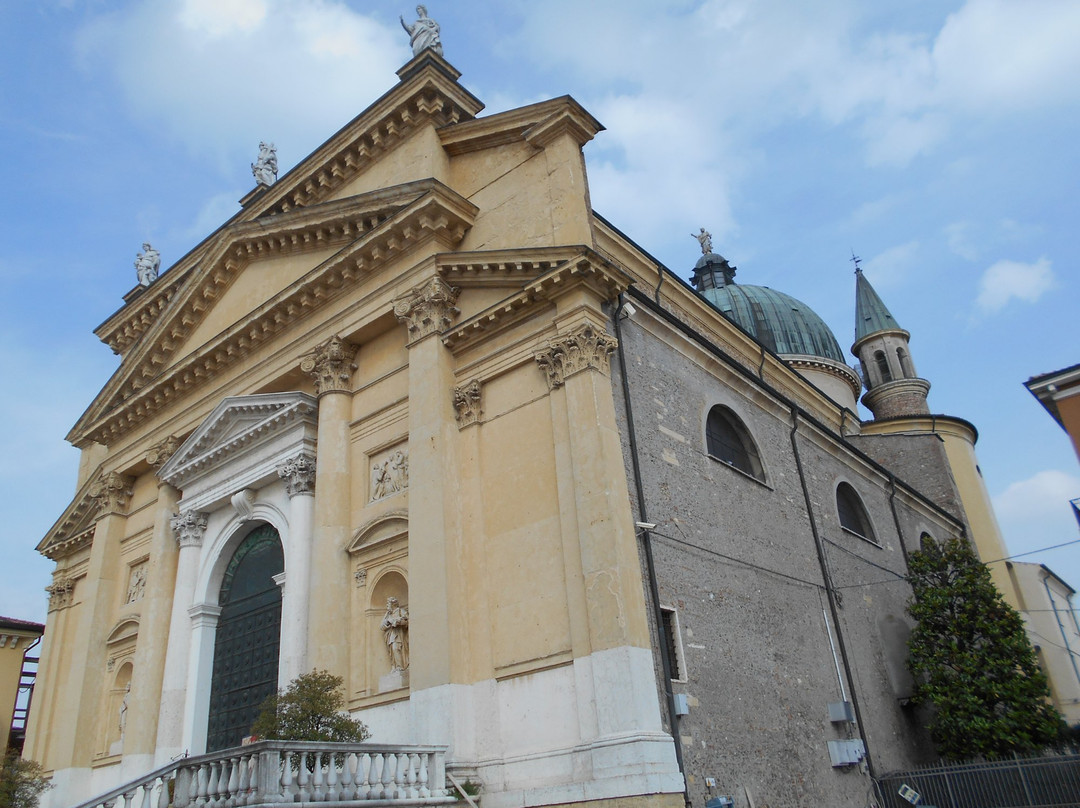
column 467, row 404
column 331, row 365
column 189, row 528
column 299, row 474
column 585, row 348
column 60, row 592
column 427, row 309
column 160, row 452
column 112, row 493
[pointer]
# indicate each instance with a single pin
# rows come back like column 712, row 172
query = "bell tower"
column 892, row 387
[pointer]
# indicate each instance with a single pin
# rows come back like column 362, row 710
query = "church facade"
column 419, row 417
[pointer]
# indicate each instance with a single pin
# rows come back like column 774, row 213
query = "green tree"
column 972, row 660
column 21, row 782
column 311, row 708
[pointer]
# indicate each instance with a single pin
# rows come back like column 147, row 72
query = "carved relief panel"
column 389, row 472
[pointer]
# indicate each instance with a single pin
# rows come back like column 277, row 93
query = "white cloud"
column 1035, row 513
column 889, row 267
column 960, row 237
column 1011, row 280
column 221, row 76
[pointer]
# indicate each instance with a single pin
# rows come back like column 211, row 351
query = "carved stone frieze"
column 427, row 309
column 390, row 474
column 299, row 474
column 467, row 409
column 587, row 348
column 189, row 528
column 331, row 365
column 137, row 583
column 60, row 593
column 161, row 452
column 112, row 493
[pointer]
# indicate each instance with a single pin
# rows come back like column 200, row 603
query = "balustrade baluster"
column 332, row 776
column 348, row 780
column 243, row 781
column 163, row 794
column 400, row 776
column 303, row 778
column 108, row 804
column 213, row 784
column 182, row 789
column 363, row 776
column 378, row 767
column 287, row 789
column 129, row 799
column 412, row 776
column 318, row 792
column 148, row 793
column 204, row 780
column 231, row 787
column 424, row 791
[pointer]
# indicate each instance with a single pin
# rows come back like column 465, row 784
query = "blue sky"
column 938, row 140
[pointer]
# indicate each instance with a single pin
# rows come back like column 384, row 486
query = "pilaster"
column 141, row 733
column 331, row 366
column 426, row 311
column 111, row 493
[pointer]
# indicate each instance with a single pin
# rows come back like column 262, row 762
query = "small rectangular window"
column 672, row 643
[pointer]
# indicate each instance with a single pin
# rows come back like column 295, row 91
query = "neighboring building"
column 1050, row 617
column 634, row 531
column 18, row 665
column 1059, row 393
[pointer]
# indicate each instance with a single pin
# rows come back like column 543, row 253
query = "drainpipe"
column 646, row 541
column 829, row 590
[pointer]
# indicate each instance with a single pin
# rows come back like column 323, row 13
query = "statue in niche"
column 390, row 476
column 265, row 166
column 122, row 724
column 147, row 264
column 424, row 33
column 395, row 628
column 704, row 238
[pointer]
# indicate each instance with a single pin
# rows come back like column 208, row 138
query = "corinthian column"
column 298, row 473
column 188, row 529
column 331, row 366
column 426, row 311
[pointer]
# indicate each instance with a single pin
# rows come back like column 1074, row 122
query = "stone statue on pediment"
column 424, row 33
column 265, row 166
column 147, row 264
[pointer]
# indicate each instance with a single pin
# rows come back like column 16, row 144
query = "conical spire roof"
column 871, row 315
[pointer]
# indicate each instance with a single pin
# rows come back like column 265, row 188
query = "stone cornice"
column 75, row 527
column 584, row 268
column 215, row 439
column 135, row 395
column 429, row 96
column 124, row 327
column 849, row 376
column 537, row 123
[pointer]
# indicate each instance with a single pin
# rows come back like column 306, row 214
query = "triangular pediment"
column 238, row 425
column 368, row 231
column 75, row 527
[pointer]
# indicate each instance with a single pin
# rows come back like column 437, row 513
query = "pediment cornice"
column 74, row 529
column 237, row 424
column 570, row 267
column 536, row 123
column 427, row 95
column 373, row 229
column 125, row 327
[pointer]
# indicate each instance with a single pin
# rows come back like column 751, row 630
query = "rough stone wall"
column 920, row 461
column 738, row 560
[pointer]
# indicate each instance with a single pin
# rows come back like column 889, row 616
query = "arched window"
column 852, row 514
column 883, row 366
column 727, row 440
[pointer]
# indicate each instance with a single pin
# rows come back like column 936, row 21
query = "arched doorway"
column 248, row 636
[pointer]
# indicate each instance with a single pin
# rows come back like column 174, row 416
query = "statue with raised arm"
column 147, row 264
column 265, row 166
column 424, row 33
column 395, row 627
column 704, row 238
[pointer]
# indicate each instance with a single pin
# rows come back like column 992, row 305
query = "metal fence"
column 1043, row 782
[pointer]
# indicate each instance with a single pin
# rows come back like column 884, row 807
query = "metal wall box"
column 846, row 753
column 682, row 706
column 841, row 711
